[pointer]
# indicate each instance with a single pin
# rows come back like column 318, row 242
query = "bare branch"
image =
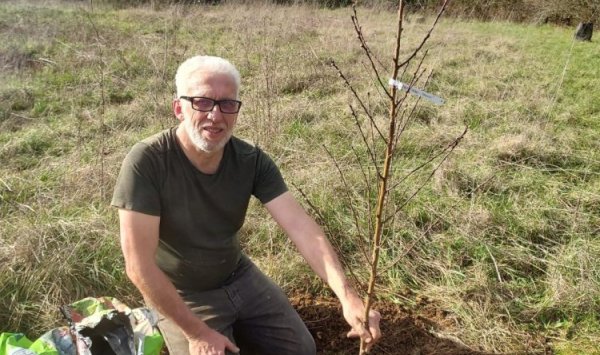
column 409, row 118
column 322, row 221
column 420, row 46
column 367, row 145
column 414, row 79
column 392, row 263
column 355, row 94
column 368, row 190
column 347, row 191
column 370, row 55
column 398, row 38
column 453, row 146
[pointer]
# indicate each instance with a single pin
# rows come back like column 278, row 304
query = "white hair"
column 205, row 63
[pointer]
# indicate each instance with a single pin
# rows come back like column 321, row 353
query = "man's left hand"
column 354, row 313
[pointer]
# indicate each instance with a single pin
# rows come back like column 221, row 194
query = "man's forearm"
column 160, row 293
column 312, row 244
column 323, row 259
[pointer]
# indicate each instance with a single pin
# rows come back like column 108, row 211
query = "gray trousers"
column 251, row 310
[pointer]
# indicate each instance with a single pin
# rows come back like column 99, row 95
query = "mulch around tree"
column 403, row 332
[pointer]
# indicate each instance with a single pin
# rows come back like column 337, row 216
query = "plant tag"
column 400, row 85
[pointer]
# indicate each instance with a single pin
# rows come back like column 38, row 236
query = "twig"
column 495, row 264
column 367, row 50
column 364, row 138
column 410, row 116
column 103, row 103
column 334, row 241
column 415, row 78
column 452, row 145
column 406, row 122
column 357, row 97
column 368, row 190
column 350, row 199
column 418, row 49
column 455, row 144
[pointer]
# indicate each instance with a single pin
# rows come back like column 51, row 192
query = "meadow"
column 504, row 239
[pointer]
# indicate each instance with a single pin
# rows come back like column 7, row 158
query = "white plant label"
column 418, row 92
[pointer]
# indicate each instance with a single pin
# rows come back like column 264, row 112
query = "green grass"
column 504, row 237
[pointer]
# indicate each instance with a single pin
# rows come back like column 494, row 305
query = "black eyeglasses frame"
column 215, row 102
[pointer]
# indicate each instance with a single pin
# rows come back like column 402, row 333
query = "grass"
column 504, row 238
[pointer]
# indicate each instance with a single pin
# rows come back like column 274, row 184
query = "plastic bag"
column 97, row 326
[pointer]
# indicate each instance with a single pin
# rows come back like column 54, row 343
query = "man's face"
column 208, row 131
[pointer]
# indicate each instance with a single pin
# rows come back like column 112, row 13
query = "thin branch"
column 410, row 116
column 396, row 260
column 368, row 190
column 400, row 120
column 332, row 240
column 418, row 49
column 450, row 146
column 399, row 103
column 454, row 145
column 398, row 38
column 362, row 105
column 415, row 78
column 368, row 146
column 348, row 195
column 406, row 122
column 370, row 55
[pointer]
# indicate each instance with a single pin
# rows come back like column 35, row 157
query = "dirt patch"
column 403, row 332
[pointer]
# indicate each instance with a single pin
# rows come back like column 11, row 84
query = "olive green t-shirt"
column 200, row 214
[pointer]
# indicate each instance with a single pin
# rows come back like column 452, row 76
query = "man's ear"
column 177, row 111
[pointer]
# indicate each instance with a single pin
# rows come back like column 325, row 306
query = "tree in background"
column 568, row 12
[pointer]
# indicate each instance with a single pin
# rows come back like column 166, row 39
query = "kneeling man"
column 182, row 196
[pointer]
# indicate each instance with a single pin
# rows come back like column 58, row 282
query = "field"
column 502, row 245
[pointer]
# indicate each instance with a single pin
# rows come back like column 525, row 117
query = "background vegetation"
column 566, row 12
column 504, row 241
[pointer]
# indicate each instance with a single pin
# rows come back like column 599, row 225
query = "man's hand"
column 211, row 342
column 354, row 312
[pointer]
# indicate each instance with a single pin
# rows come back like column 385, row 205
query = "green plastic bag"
column 19, row 344
column 142, row 338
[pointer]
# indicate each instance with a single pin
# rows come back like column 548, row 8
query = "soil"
column 403, row 332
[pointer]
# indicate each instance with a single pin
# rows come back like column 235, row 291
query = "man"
column 182, row 197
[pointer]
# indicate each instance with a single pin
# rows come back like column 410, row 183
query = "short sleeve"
column 138, row 187
column 268, row 182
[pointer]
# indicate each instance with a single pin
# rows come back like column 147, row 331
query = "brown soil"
column 403, row 332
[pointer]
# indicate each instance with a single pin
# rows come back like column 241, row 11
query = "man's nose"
column 216, row 113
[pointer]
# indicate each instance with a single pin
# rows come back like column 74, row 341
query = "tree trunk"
column 584, row 31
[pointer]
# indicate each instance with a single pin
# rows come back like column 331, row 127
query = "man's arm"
column 318, row 252
column 139, row 240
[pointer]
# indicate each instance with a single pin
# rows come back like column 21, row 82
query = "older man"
column 182, row 197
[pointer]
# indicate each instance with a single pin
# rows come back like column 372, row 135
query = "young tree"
column 382, row 141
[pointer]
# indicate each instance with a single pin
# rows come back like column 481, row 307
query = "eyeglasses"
column 205, row 104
